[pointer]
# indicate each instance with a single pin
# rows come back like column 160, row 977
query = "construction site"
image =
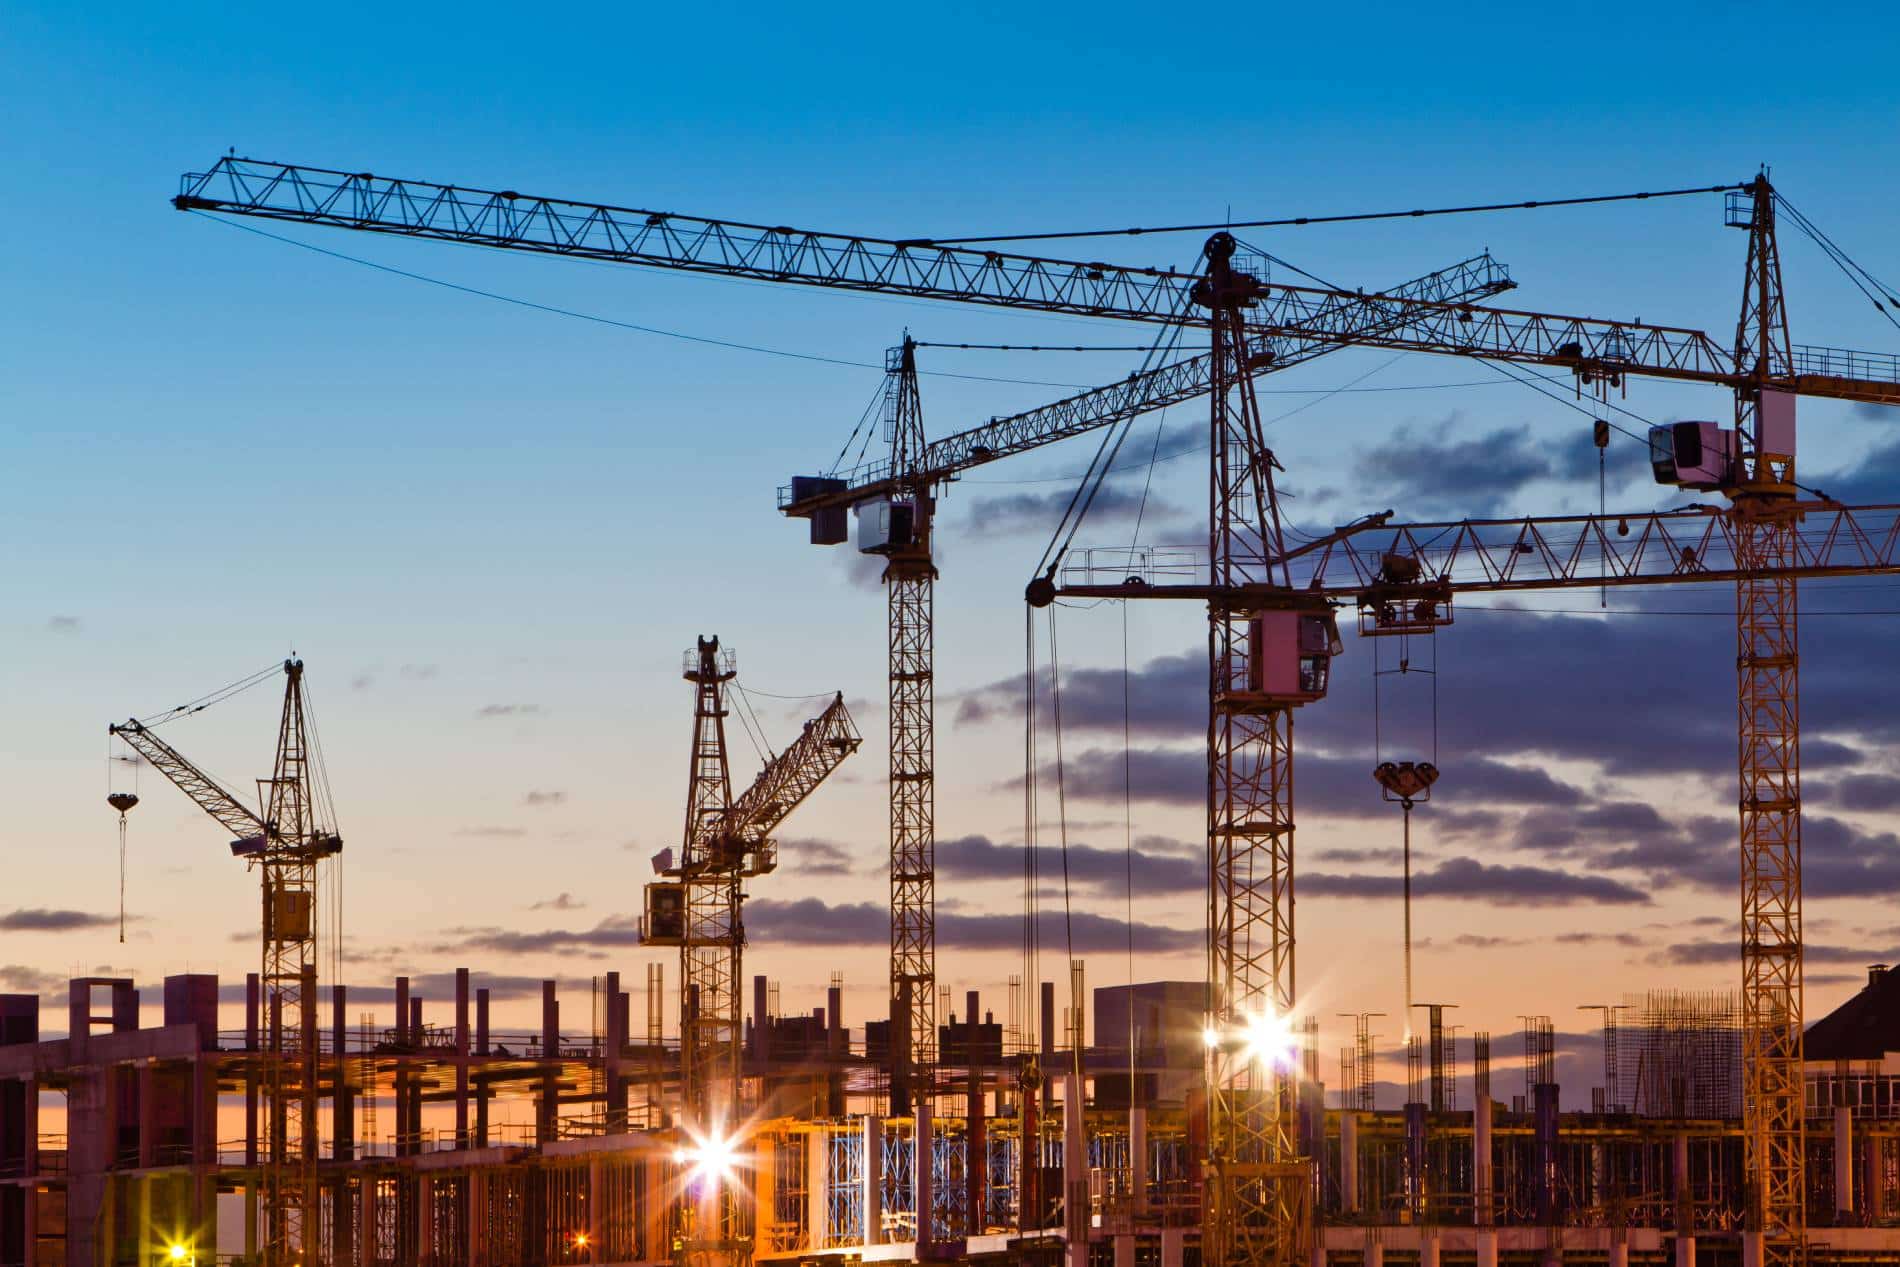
column 696, row 1117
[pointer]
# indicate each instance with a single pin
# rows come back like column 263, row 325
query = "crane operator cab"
column 1700, row 455
column 895, row 525
column 1290, row 655
column 1708, row 456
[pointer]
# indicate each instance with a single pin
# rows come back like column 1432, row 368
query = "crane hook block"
column 122, row 801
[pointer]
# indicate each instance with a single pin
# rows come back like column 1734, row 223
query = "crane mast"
column 725, row 841
column 284, row 844
column 910, row 579
column 709, row 955
column 1767, row 660
column 1256, row 1183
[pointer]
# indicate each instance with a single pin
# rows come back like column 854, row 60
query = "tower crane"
column 698, row 909
column 1757, row 541
column 896, row 501
column 1255, row 1188
column 284, row 843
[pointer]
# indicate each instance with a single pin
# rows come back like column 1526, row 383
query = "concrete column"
column 147, row 1080
column 402, row 1011
column 1685, row 1251
column 1487, row 1248
column 1373, row 1253
column 475, row 1218
column 1874, row 1186
column 1138, row 1157
column 425, row 1198
column 1684, row 1194
column 1844, row 1162
column 1752, row 1249
column 1349, row 1160
column 817, row 1198
column 251, row 1013
column 250, row 1218
column 366, row 1221
column 1619, row 1251
column 30, row 1223
column 1483, row 1208
column 1174, row 1247
column 343, row 1102
column 461, row 1057
column 596, row 1210
column 31, row 1125
column 873, row 1171
column 1047, row 1002
column 142, row 1203
column 924, row 1171
column 615, row 1039
column 481, row 1021
column 1124, row 1249
column 1075, row 1172
column 1428, row 1255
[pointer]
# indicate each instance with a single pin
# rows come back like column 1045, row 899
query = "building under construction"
column 446, row 1143
column 926, row 1133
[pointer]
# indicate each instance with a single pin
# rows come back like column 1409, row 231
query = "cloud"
column 1115, row 502
column 1467, row 879
column 62, row 624
column 1728, row 951
column 1876, row 477
column 1360, row 857
column 1476, row 475
column 539, row 798
column 1332, row 785
column 559, row 902
column 489, row 711
column 21, row 979
column 417, row 672
column 1159, row 865
column 1859, row 792
column 1165, row 697
column 812, row 922
column 493, row 833
column 809, row 856
column 42, row 920
column 609, row 933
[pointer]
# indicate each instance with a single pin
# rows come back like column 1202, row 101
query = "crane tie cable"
column 1416, row 213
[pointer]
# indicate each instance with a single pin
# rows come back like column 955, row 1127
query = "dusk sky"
column 491, row 530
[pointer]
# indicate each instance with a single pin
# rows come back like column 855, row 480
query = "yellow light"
column 711, row 1156
column 1271, row 1039
column 580, row 1240
column 1211, row 1037
column 178, row 1253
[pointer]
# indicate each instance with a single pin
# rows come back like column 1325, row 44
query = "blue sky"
column 219, row 446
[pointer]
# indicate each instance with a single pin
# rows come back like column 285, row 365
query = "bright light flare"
column 714, row 1156
column 1265, row 1037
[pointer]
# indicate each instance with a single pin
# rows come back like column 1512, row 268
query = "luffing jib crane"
column 698, row 909
column 284, row 842
column 1266, row 660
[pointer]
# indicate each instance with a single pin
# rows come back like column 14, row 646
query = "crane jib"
column 1597, row 350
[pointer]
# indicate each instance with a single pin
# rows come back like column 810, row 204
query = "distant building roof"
column 1866, row 1027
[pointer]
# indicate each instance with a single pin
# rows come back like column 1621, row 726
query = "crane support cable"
column 637, row 328
column 1530, row 204
column 212, row 697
